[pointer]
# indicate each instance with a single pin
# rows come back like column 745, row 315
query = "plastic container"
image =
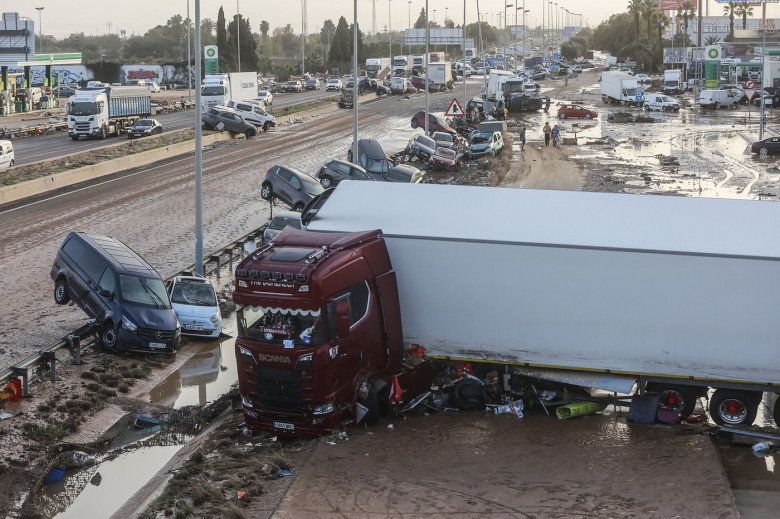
column 55, row 475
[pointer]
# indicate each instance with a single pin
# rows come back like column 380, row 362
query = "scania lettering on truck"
column 668, row 294
column 218, row 89
column 620, row 88
column 100, row 112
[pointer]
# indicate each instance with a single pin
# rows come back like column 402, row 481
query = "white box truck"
column 100, row 112
column 440, row 74
column 418, row 63
column 402, row 65
column 673, row 84
column 495, row 82
column 614, row 291
column 218, row 89
column 620, row 88
column 375, row 66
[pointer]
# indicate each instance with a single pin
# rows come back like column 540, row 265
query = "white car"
column 266, row 97
column 643, row 79
column 195, row 302
column 333, row 84
column 153, row 87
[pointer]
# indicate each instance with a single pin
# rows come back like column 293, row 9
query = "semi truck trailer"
column 624, row 293
column 218, row 89
column 100, row 112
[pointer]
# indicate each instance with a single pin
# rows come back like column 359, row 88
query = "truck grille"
column 82, row 127
column 279, row 390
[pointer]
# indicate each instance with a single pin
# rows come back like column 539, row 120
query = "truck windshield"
column 277, row 325
column 397, row 62
column 83, row 108
column 214, row 90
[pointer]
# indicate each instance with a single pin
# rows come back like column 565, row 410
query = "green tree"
column 614, row 33
column 420, row 23
column 729, row 10
column 712, row 40
column 327, row 32
column 340, row 46
column 649, row 10
column 264, row 27
column 635, row 9
column 744, row 9
column 686, row 12
column 227, row 59
column 571, row 49
column 248, row 45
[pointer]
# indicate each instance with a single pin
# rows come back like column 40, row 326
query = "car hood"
column 482, row 146
column 149, row 317
column 188, row 311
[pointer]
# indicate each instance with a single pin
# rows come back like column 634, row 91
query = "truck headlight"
column 246, row 356
column 323, row 408
column 304, row 362
column 128, row 325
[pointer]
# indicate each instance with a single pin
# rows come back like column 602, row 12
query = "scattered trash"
column 4, row 415
column 761, row 448
column 416, row 401
column 55, row 475
column 389, row 426
column 468, row 393
column 572, row 410
column 82, row 459
column 643, row 409
column 283, row 472
column 515, row 408
column 668, row 416
column 241, row 495
column 241, row 425
column 247, row 432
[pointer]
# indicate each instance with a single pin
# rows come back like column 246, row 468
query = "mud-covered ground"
column 482, row 465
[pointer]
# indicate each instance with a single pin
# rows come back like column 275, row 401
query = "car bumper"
column 129, row 341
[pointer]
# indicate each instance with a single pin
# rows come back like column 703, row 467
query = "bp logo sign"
column 210, row 51
column 713, row 52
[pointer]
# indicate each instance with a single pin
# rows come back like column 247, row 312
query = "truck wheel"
column 776, row 409
column 103, row 133
column 266, row 193
column 371, row 402
column 679, row 398
column 733, row 407
column 61, row 296
column 74, row 137
column 107, row 335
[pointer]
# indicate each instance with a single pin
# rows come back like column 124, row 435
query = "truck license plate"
column 194, row 328
column 282, row 425
column 157, row 345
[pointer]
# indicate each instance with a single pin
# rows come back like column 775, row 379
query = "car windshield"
column 444, row 137
column 262, row 93
column 195, row 294
column 312, row 187
column 426, row 141
column 278, row 325
column 143, row 122
column 445, row 153
column 396, row 176
column 291, row 83
column 144, row 291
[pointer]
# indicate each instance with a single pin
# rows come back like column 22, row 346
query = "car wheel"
column 326, row 182
column 298, row 208
column 588, row 116
column 266, row 125
column 108, row 336
column 349, row 156
column 763, row 151
column 251, row 132
column 103, row 133
column 414, row 125
column 266, row 192
column 717, row 105
column 61, row 296
column 561, row 116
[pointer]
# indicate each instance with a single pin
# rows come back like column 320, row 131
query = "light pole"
column 238, row 34
column 390, row 32
column 40, row 27
column 410, row 14
column 434, row 17
column 189, row 61
column 506, row 35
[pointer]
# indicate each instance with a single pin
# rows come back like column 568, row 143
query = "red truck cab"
column 319, row 331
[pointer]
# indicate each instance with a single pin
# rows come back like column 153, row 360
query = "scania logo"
column 274, row 358
column 158, row 335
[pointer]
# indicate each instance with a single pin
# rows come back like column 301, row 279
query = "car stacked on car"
column 224, row 118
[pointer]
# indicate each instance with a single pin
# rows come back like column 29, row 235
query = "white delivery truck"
column 218, row 89
column 495, row 82
column 673, row 84
column 620, row 88
column 440, row 74
column 100, row 112
column 612, row 291
column 402, row 65
column 399, row 85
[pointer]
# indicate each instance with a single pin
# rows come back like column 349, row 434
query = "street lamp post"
column 40, row 27
column 238, row 34
column 390, row 32
column 410, row 13
column 189, row 61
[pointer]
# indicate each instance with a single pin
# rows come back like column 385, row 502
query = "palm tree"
column 635, row 9
column 264, row 29
column 744, row 9
column 687, row 12
column 712, row 40
column 729, row 10
column 661, row 22
column 649, row 8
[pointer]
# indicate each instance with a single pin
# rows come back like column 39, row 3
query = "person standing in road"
column 547, row 132
column 522, row 139
column 555, row 134
column 183, row 103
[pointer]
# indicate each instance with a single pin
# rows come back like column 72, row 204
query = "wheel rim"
column 266, row 192
column 59, row 292
column 109, row 337
column 732, row 412
column 325, row 182
column 673, row 400
column 587, row 116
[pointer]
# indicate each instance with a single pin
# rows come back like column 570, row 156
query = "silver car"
column 291, row 186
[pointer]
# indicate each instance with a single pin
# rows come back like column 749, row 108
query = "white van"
column 253, row 113
column 718, row 98
column 6, row 154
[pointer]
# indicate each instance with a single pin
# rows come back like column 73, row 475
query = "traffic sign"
column 749, row 84
column 454, row 110
column 749, row 92
column 640, row 94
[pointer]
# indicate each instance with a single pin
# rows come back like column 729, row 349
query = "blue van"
column 115, row 286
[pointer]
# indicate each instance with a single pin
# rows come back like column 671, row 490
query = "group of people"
column 553, row 134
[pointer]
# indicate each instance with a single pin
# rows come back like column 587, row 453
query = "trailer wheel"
column 103, row 132
column 733, row 407
column 681, row 399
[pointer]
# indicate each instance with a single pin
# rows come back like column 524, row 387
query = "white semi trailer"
column 618, row 292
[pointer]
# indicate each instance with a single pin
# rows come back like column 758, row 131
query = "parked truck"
column 495, row 80
column 470, row 54
column 620, row 88
column 673, row 84
column 100, row 112
column 440, row 74
column 374, row 66
column 620, row 298
column 402, row 65
column 218, row 89
column 418, row 63
column 399, row 85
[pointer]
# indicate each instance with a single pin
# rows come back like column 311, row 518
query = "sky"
column 91, row 17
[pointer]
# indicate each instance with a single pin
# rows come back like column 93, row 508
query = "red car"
column 435, row 124
column 576, row 111
column 444, row 159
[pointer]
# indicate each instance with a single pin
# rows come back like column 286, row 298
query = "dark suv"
column 116, row 287
column 371, row 158
column 334, row 171
column 291, row 186
column 224, row 118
